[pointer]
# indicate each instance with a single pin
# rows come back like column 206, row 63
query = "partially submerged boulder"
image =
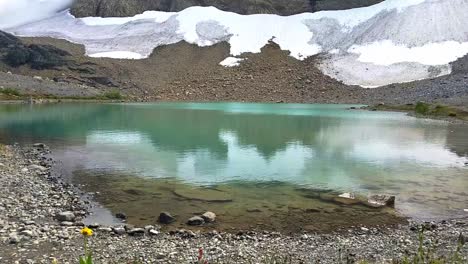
column 380, row 200
column 166, row 218
column 195, row 221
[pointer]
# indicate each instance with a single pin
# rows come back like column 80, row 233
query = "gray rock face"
column 195, row 221
column 110, row 8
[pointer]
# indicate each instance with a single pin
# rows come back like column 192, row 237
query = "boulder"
column 380, row 200
column 209, row 217
column 195, row 221
column 65, row 217
column 166, row 218
column 119, row 230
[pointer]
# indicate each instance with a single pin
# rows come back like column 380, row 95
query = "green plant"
column 427, row 256
column 113, row 95
column 87, row 258
column 10, row 91
column 422, row 108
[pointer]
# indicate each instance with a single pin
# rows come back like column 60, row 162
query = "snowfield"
column 394, row 41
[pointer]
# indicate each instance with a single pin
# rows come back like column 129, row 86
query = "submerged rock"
column 121, row 216
column 195, row 221
column 209, row 217
column 166, row 218
column 380, row 200
column 205, row 195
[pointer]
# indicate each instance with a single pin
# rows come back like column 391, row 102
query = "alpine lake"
column 279, row 167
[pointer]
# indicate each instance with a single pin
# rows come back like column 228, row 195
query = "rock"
column 136, row 232
column 40, row 145
column 66, row 216
column 66, row 223
column 119, row 8
column 94, row 225
column 203, row 194
column 105, row 229
column 153, row 232
column 35, row 167
column 13, row 239
column 166, row 218
column 346, row 199
column 209, row 217
column 381, row 200
column 195, row 221
column 119, row 230
column 121, row 216
column 28, row 233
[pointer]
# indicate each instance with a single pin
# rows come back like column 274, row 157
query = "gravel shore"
column 41, row 217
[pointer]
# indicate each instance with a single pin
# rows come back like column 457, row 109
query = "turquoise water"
column 420, row 161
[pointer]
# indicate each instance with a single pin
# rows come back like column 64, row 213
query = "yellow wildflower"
column 86, row 231
column 54, row 261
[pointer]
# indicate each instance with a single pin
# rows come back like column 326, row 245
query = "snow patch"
column 117, row 55
column 231, row 62
column 18, row 12
column 387, row 53
column 393, row 41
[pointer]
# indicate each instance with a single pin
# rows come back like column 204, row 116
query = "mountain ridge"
column 123, row 8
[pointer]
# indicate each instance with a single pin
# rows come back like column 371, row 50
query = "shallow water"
column 253, row 164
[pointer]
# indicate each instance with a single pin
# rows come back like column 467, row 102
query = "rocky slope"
column 185, row 72
column 121, row 8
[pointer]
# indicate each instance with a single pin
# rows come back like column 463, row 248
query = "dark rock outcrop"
column 14, row 53
column 107, row 8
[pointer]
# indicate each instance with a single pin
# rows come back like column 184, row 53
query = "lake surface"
column 255, row 165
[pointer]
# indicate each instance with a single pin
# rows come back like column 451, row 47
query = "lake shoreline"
column 460, row 117
column 31, row 228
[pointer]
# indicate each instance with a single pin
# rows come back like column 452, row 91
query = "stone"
column 119, row 230
column 136, row 232
column 195, row 221
column 203, row 194
column 65, row 216
column 380, row 200
column 66, row 223
column 28, row 233
column 35, row 167
column 94, row 225
column 105, row 229
column 13, row 239
column 209, row 217
column 153, row 232
column 40, row 145
column 121, row 216
column 166, row 218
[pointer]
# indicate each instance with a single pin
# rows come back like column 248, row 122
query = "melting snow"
column 394, row 41
column 231, row 62
column 117, row 55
